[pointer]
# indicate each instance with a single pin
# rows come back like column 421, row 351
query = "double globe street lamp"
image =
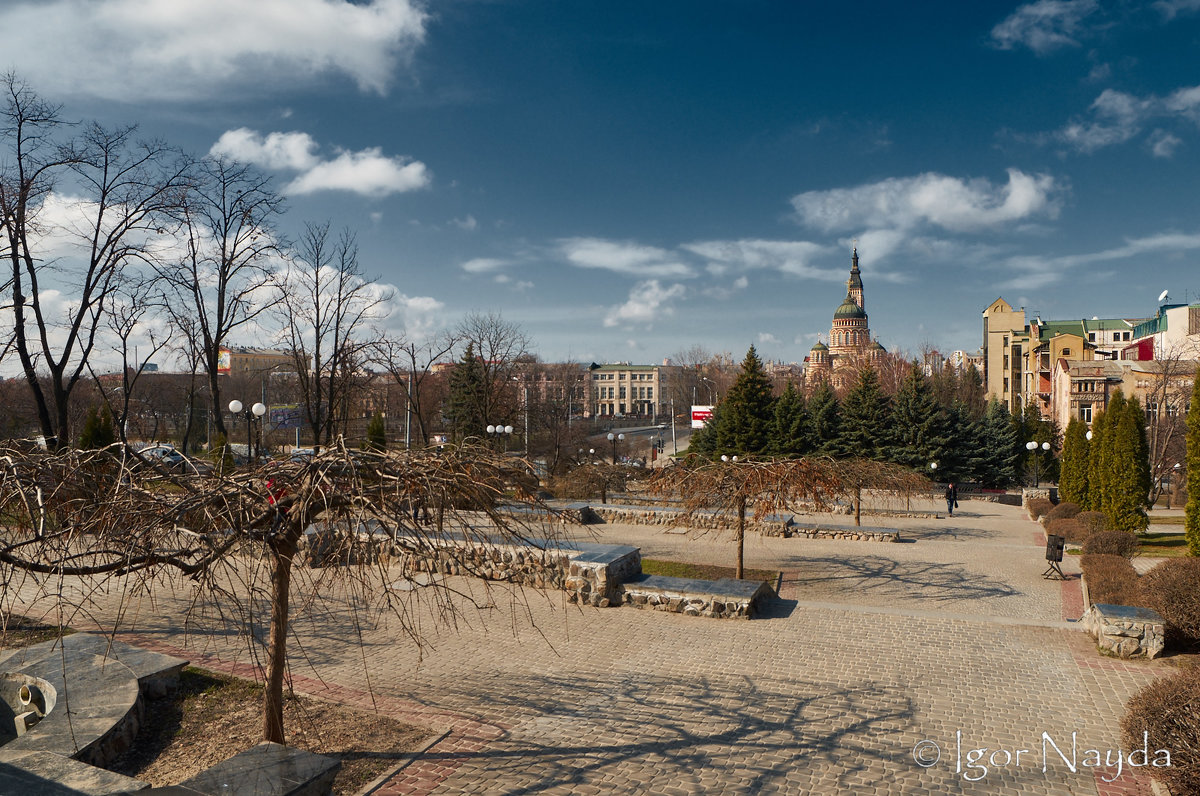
column 251, row 413
column 614, row 439
column 500, row 431
column 1032, row 447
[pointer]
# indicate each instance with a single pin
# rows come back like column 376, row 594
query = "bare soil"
column 213, row 717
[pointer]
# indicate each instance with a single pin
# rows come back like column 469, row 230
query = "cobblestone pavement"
column 878, row 658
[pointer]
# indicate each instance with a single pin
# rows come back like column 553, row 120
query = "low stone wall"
column 1125, row 631
column 846, row 534
column 720, row 599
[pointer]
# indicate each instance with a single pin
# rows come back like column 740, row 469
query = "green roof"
column 848, row 309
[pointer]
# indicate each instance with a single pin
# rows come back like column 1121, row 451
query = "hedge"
column 1111, row 579
column 1173, row 590
column 1117, row 543
column 1166, row 715
column 1064, row 510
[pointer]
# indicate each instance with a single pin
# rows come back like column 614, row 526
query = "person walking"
column 951, row 498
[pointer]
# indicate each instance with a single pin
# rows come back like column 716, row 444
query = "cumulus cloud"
column 1172, row 8
column 786, row 256
column 1033, row 272
column 766, row 338
column 647, row 301
column 418, row 315
column 1045, row 25
column 623, row 257
column 137, row 50
column 469, row 223
column 368, row 172
column 948, row 202
column 1163, row 144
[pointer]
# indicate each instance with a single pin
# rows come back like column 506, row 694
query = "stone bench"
column 269, row 769
column 722, row 599
column 1125, row 631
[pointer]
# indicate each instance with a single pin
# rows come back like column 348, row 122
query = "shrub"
column 1039, row 507
column 1167, row 714
column 1110, row 579
column 1070, row 529
column 1093, row 521
column 1063, row 510
column 1114, row 543
column 1173, row 590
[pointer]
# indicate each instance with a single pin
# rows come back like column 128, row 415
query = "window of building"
column 649, row 393
column 622, row 393
column 1066, row 352
column 1127, row 336
column 1085, row 413
column 1091, row 337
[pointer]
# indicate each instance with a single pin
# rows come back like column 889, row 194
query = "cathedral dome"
column 820, row 346
column 848, row 309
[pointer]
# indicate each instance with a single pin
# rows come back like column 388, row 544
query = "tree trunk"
column 858, row 506
column 283, row 551
column 741, row 538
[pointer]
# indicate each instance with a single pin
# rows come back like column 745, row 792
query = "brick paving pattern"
column 883, row 669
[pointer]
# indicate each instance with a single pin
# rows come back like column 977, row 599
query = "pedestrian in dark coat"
column 951, row 498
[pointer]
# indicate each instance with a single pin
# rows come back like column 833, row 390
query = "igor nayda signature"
column 973, row 762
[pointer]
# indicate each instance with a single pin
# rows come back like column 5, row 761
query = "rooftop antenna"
column 1162, row 297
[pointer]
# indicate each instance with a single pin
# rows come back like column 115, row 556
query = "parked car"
column 171, row 458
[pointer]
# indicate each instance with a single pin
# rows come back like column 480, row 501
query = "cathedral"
column 849, row 337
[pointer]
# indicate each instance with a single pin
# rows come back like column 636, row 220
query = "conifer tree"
column 465, row 402
column 1107, row 442
column 376, row 433
column 746, row 412
column 792, row 432
column 1001, row 444
column 1125, row 498
column 921, row 428
column 866, row 430
column 825, row 412
column 1191, row 515
column 1073, row 482
column 97, row 430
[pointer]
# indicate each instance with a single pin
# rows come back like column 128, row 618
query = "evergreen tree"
column 376, row 433
column 1125, row 499
column 921, row 429
column 97, row 430
column 965, row 458
column 972, row 393
column 747, row 411
column 792, row 432
column 866, row 430
column 1108, row 440
column 1073, row 482
column 704, row 440
column 465, row 401
column 825, row 412
column 1001, row 446
column 1191, row 515
column 1095, row 469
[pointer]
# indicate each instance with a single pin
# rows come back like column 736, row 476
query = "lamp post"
column 500, row 431
column 1172, row 481
column 250, row 413
column 711, row 400
column 1032, row 447
column 614, row 439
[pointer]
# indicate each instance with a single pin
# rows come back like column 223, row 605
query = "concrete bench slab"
column 725, row 598
column 269, row 769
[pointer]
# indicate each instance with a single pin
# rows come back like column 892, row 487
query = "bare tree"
column 127, row 190
column 236, row 538
column 729, row 489
column 1168, row 387
column 222, row 282
column 324, row 307
column 409, row 364
column 501, row 348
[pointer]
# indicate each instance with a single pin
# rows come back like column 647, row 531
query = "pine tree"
column 921, row 428
column 972, row 393
column 1073, row 481
column 866, row 430
column 1001, row 446
column 1191, row 514
column 97, row 430
column 465, row 407
column 376, row 433
column 792, row 432
column 747, row 411
column 1108, row 440
column 825, row 413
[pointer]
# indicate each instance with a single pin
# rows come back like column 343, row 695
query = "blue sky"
column 626, row 180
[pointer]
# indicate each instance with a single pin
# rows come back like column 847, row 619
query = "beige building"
column 623, row 390
column 1082, row 389
column 241, row 359
column 1005, row 340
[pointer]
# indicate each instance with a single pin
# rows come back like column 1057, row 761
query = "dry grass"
column 213, row 718
column 680, row 569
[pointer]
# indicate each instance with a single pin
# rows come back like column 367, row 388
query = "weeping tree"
column 76, row 519
column 731, row 489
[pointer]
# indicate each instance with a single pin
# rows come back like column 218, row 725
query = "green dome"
column 848, row 309
column 820, row 346
column 876, row 346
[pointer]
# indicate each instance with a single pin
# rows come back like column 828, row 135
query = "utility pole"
column 408, row 414
column 674, row 441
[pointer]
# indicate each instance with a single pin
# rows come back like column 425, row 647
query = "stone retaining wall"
column 846, row 534
column 719, row 599
column 1124, row 631
column 695, row 605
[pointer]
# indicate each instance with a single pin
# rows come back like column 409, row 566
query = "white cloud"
column 623, row 258
column 469, row 223
column 1045, row 25
column 483, row 265
column 367, row 172
column 766, row 338
column 948, row 202
column 648, row 300
column 786, row 256
column 1117, row 117
column 419, row 315
column 1163, row 144
column 131, row 50
column 293, row 151
column 1033, row 272
column 1171, row 8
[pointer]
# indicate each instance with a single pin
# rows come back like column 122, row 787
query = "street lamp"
column 499, row 431
column 725, row 458
column 711, row 400
column 614, row 439
column 251, row 412
column 1032, row 447
column 1089, row 436
column 1172, row 480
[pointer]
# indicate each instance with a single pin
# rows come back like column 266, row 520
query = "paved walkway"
column 879, row 671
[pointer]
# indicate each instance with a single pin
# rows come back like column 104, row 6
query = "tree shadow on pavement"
column 925, row 580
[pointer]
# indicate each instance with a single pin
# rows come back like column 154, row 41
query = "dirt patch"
column 213, row 717
column 21, row 631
